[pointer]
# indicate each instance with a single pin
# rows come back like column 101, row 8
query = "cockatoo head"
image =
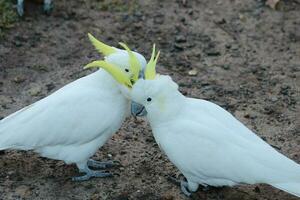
column 125, row 66
column 154, row 97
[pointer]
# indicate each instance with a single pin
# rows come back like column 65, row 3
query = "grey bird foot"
column 90, row 174
column 184, row 188
column 102, row 165
column 48, row 6
column 183, row 185
column 20, row 8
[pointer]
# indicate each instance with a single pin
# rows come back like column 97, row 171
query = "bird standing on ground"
column 206, row 143
column 73, row 122
column 48, row 5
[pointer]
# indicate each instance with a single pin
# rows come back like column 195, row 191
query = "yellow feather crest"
column 100, row 46
column 115, row 71
column 135, row 65
column 150, row 71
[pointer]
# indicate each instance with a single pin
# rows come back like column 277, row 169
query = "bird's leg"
column 101, row 165
column 187, row 187
column 48, row 6
column 20, row 7
column 183, row 185
column 83, row 167
column 184, row 188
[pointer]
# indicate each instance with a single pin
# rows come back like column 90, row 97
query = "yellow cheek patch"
column 134, row 63
column 113, row 70
column 150, row 71
column 101, row 47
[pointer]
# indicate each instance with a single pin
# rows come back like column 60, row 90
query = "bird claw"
column 91, row 174
column 20, row 10
column 183, row 185
column 184, row 188
column 48, row 6
column 102, row 165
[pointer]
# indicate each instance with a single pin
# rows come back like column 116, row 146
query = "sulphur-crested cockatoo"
column 206, row 143
column 73, row 122
column 48, row 5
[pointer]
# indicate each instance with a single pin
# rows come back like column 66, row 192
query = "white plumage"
column 73, row 122
column 207, row 144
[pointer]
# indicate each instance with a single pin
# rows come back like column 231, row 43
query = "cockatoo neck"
column 166, row 108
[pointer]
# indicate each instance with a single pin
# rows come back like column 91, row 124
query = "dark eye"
column 126, row 70
column 149, row 99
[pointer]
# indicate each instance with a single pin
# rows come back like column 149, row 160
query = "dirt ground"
column 239, row 54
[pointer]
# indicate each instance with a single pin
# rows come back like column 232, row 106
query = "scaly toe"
column 48, row 8
column 20, row 10
column 100, row 174
column 81, row 178
column 184, row 188
column 91, row 174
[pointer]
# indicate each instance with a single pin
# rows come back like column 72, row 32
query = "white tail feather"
column 292, row 188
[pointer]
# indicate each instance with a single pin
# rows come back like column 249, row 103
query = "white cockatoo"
column 74, row 122
column 48, row 5
column 206, row 143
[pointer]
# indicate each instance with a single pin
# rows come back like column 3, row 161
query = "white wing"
column 76, row 114
column 210, row 146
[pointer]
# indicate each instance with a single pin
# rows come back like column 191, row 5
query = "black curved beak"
column 138, row 109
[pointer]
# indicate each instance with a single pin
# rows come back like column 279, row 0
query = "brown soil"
column 247, row 57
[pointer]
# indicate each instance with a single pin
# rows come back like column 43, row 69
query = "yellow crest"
column 150, row 71
column 115, row 71
column 101, row 47
column 134, row 63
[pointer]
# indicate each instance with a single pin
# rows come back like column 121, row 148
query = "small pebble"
column 180, row 38
column 193, row 72
column 19, row 79
column 35, row 90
